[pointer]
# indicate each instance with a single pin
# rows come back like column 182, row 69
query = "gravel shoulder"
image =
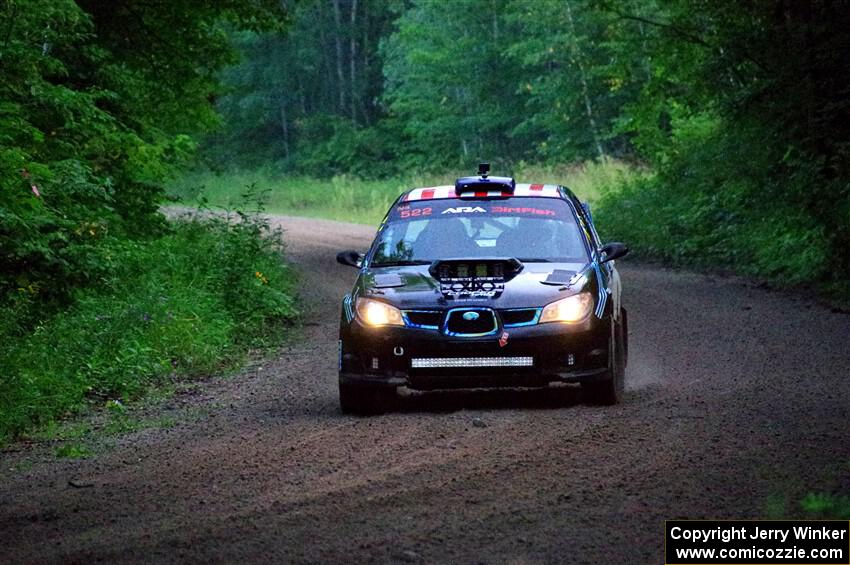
column 737, row 405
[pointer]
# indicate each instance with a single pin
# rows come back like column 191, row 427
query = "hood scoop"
column 388, row 281
column 475, row 277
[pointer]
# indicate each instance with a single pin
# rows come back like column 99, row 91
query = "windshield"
column 529, row 229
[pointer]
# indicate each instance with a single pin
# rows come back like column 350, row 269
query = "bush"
column 187, row 303
column 352, row 199
column 723, row 201
column 330, row 145
column 825, row 506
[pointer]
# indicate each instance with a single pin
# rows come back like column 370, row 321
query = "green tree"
column 99, row 104
column 744, row 120
column 303, row 98
column 576, row 78
column 449, row 85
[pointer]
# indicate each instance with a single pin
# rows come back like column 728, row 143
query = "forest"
column 733, row 116
column 101, row 103
column 716, row 134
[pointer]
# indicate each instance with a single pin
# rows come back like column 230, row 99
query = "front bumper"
column 559, row 353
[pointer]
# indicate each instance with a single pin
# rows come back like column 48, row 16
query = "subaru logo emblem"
column 470, row 316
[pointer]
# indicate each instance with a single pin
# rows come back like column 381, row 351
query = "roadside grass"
column 350, row 199
column 189, row 303
column 78, row 438
column 670, row 216
column 827, row 506
column 72, row 451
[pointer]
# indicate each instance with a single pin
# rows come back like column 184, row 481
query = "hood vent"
column 559, row 277
column 474, row 278
column 387, row 281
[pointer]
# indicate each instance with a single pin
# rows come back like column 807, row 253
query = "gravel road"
column 738, row 403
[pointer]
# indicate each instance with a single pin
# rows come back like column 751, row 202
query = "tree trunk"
column 353, row 65
column 365, row 43
column 322, row 98
column 284, row 123
column 366, row 105
column 585, row 91
column 302, row 95
column 339, row 74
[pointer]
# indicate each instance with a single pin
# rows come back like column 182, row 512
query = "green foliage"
column 99, row 102
column 738, row 109
column 306, row 99
column 427, row 85
column 827, row 506
column 340, row 198
column 449, row 84
column 575, row 78
column 338, row 147
column 72, row 451
column 708, row 207
column 352, row 199
column 736, row 120
column 187, row 303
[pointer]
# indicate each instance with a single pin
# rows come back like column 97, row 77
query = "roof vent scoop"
column 504, row 186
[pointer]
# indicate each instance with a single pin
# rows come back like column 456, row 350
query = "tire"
column 358, row 399
column 609, row 390
column 625, row 341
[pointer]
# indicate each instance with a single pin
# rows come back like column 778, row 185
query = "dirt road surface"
column 738, row 403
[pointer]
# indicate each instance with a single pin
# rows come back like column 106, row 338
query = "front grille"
column 428, row 319
column 448, row 362
column 518, row 317
column 471, row 322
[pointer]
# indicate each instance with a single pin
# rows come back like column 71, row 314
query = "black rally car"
column 486, row 283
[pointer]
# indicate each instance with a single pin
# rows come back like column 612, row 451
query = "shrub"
column 187, row 303
column 827, row 506
column 723, row 201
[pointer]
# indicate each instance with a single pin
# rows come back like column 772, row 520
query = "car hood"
column 415, row 288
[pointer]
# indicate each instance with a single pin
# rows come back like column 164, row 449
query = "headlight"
column 571, row 309
column 376, row 313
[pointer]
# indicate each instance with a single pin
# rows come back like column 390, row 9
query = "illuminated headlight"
column 571, row 309
column 375, row 313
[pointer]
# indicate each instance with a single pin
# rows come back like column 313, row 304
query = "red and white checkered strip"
column 437, row 192
column 545, row 190
column 430, row 193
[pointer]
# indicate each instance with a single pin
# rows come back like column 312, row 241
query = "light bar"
column 447, row 362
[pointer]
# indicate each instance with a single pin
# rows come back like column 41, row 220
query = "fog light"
column 571, row 359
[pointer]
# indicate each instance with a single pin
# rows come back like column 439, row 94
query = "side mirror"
column 613, row 250
column 349, row 258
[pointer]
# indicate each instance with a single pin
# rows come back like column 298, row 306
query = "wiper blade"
column 534, row 260
column 401, row 263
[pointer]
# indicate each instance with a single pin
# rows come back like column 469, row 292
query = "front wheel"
column 609, row 390
column 360, row 399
